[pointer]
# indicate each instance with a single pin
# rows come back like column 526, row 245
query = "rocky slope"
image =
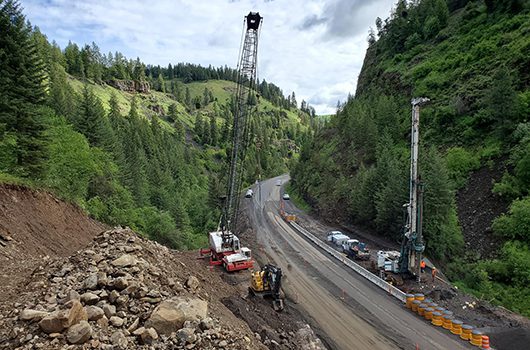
column 69, row 282
column 123, row 292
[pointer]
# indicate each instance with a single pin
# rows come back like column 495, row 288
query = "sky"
column 312, row 47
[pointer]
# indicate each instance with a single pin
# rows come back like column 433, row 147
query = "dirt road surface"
column 350, row 312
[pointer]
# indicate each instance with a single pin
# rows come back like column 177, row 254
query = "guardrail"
column 395, row 292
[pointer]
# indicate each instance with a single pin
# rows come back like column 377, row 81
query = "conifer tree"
column 21, row 92
column 187, row 100
column 92, row 122
column 198, row 128
column 214, row 137
column 161, row 83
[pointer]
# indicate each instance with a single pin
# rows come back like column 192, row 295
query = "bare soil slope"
column 37, row 226
column 478, row 206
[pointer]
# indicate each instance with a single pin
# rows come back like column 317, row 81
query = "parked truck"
column 356, row 250
column 337, row 238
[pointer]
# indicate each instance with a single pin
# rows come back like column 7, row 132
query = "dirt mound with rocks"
column 123, row 292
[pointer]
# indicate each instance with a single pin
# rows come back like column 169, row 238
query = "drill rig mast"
column 225, row 247
column 412, row 245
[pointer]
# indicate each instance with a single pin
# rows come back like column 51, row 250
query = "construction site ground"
column 42, row 234
column 507, row 330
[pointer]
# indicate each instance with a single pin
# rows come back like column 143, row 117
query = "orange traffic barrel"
column 448, row 322
column 421, row 309
column 437, row 319
column 440, row 309
column 485, row 342
column 427, row 300
column 466, row 332
column 415, row 304
column 408, row 303
column 428, row 313
column 476, row 337
column 419, row 297
column 448, row 312
column 433, row 305
column 456, row 327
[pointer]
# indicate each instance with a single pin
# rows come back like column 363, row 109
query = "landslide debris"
column 123, row 292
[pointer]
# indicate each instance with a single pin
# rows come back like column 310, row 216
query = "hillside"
column 471, row 59
column 131, row 143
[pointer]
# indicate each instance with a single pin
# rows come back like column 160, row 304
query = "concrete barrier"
column 395, row 292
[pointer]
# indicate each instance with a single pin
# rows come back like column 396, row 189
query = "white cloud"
column 312, row 47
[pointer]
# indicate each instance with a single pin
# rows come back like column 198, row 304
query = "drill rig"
column 225, row 246
column 412, row 246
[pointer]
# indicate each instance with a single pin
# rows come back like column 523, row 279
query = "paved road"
column 351, row 312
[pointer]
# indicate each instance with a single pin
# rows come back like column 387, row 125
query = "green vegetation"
column 471, row 58
column 296, row 198
column 153, row 160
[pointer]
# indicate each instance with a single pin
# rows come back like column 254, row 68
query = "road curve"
column 352, row 313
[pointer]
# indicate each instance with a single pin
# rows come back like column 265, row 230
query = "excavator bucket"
column 277, row 305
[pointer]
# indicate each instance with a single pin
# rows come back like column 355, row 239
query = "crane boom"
column 246, row 83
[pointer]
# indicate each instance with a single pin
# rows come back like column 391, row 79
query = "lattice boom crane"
column 225, row 246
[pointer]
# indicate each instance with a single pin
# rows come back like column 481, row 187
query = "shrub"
column 515, row 224
column 460, row 163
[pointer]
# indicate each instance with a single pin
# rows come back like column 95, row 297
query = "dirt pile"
column 123, row 292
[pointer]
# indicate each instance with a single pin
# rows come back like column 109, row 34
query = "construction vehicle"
column 268, row 283
column 225, row 246
column 356, row 250
column 412, row 245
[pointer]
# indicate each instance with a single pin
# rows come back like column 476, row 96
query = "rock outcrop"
column 130, row 85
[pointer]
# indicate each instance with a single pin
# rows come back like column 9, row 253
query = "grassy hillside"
column 472, row 59
column 153, row 161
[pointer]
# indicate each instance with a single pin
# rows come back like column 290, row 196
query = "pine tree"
column 205, row 97
column 21, row 92
column 187, row 100
column 214, row 135
column 198, row 128
column 172, row 112
column 161, row 84
column 92, row 122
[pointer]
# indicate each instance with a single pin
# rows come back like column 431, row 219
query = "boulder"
column 121, row 283
column 186, row 335
column 119, row 340
column 89, row 298
column 79, row 333
column 61, row 319
column 171, row 314
column 109, row 310
column 91, row 282
column 32, row 315
column 94, row 313
column 147, row 335
column 125, row 260
column 117, row 321
column 192, row 283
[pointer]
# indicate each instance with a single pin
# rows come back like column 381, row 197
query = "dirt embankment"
column 36, row 226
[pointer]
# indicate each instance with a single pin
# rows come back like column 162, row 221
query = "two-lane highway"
column 352, row 313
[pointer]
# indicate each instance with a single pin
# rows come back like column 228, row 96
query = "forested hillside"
column 472, row 59
column 133, row 144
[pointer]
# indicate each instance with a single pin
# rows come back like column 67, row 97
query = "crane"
column 225, row 246
column 412, row 246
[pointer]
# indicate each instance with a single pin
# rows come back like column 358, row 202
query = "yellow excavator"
column 268, row 283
